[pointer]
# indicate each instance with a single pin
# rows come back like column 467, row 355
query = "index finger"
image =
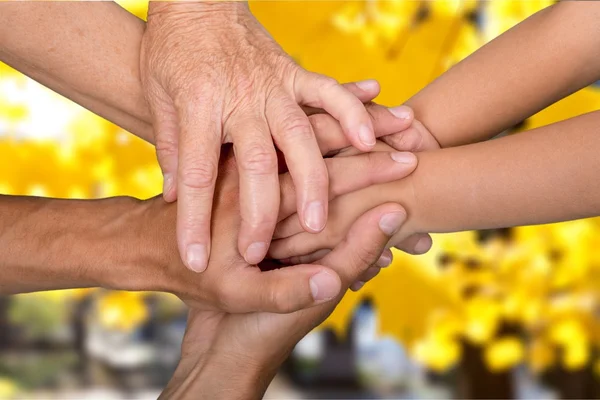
column 199, row 148
column 319, row 91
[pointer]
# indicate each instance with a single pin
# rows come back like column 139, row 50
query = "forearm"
column 543, row 59
column 203, row 378
column 49, row 244
column 541, row 176
column 88, row 52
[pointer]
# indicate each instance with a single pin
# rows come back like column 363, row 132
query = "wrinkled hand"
column 235, row 356
column 213, row 75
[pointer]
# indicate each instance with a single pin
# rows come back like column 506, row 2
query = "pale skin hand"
column 213, row 75
column 217, row 344
column 545, row 175
column 543, row 59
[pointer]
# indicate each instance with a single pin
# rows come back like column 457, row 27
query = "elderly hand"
column 213, row 75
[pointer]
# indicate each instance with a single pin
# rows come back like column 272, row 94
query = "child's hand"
column 293, row 245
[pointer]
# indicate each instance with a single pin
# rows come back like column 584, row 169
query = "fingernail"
column 384, row 261
column 365, row 134
column 356, row 286
column 323, row 286
column 167, row 183
column 367, row 85
column 403, row 157
column 256, row 252
column 390, row 223
column 422, row 246
column 401, row 112
column 197, row 257
column 314, row 216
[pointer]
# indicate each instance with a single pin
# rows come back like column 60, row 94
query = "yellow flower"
column 576, row 355
column 8, row 388
column 504, row 353
column 483, row 317
column 437, row 354
column 123, row 311
column 541, row 355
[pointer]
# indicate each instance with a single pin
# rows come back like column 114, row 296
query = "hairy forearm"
column 545, row 175
column 88, row 52
column 49, row 244
column 545, row 58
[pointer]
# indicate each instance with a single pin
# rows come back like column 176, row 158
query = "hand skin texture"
column 248, row 348
column 538, row 62
column 541, row 176
column 42, row 40
column 211, row 75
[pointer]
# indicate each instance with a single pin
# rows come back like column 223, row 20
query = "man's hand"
column 235, row 356
column 213, row 75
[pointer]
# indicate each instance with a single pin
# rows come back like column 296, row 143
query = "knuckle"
column 200, row 175
column 364, row 258
column 258, row 160
column 327, row 83
column 273, row 299
column 319, row 123
column 295, row 127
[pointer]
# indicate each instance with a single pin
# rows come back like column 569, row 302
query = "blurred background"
column 496, row 314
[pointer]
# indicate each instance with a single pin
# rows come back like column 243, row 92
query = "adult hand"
column 234, row 285
column 235, row 356
column 213, row 75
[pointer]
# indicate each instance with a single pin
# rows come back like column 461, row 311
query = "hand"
column 235, row 356
column 234, row 285
column 213, row 75
column 295, row 246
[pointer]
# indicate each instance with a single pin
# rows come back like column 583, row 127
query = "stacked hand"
column 213, row 75
column 248, row 348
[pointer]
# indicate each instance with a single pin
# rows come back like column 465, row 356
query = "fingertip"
column 366, row 136
column 423, row 245
column 256, row 252
column 404, row 113
column 324, row 286
column 369, row 86
column 315, row 216
column 404, row 157
column 196, row 257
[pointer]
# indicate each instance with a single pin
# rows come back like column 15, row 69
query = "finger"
column 259, row 186
column 307, row 259
column 294, row 136
column 416, row 244
column 386, row 121
column 365, row 91
column 166, row 128
column 416, row 138
column 281, row 290
column 319, row 91
column 199, row 147
column 346, row 175
column 365, row 242
column 365, row 277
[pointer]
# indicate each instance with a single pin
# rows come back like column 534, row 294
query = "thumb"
column 366, row 240
column 282, row 290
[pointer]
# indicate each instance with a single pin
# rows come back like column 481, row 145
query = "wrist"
column 212, row 12
column 213, row 375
